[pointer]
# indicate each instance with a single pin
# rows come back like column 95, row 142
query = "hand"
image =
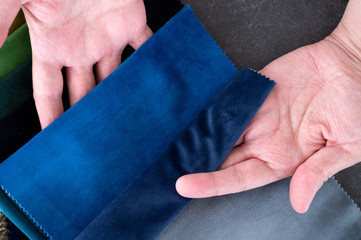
column 309, row 126
column 78, row 35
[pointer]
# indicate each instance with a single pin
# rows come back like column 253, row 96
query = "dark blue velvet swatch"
column 67, row 174
column 146, row 207
column 18, row 118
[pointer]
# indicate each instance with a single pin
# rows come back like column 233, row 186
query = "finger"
column 8, row 11
column 240, row 177
column 141, row 37
column 107, row 65
column 80, row 81
column 238, row 154
column 309, row 176
column 48, row 89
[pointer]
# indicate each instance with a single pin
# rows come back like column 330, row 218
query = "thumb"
column 310, row 176
column 8, row 11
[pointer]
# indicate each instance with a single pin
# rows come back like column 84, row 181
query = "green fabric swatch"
column 15, row 51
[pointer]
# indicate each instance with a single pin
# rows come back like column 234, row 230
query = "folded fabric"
column 266, row 213
column 15, row 233
column 147, row 206
column 13, row 213
column 72, row 170
column 18, row 118
column 15, row 89
column 15, row 51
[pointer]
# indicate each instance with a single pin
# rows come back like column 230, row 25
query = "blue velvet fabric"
column 146, row 207
column 71, row 171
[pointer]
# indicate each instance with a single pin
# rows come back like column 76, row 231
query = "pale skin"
column 79, row 35
column 308, row 128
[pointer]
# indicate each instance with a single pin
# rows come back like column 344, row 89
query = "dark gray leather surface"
column 266, row 213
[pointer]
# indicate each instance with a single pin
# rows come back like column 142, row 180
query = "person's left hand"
column 79, row 35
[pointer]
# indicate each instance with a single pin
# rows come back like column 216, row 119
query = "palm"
column 317, row 89
column 309, row 126
column 63, row 33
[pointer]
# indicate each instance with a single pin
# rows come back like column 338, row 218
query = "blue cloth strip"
column 144, row 209
column 66, row 175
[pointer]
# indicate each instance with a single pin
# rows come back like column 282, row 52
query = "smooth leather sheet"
column 266, row 213
column 146, row 207
column 75, row 167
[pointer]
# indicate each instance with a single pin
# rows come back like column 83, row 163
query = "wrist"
column 348, row 32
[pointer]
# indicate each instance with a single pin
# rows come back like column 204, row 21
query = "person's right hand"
column 309, row 127
column 79, row 35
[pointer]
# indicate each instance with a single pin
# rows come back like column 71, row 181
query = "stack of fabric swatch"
column 106, row 169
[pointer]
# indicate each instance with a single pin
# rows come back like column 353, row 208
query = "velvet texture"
column 15, row 89
column 15, row 51
column 266, row 213
column 80, row 163
column 19, row 121
column 18, row 118
column 146, row 207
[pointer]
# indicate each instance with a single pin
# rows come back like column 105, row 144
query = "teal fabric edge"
column 20, row 217
column 15, row 89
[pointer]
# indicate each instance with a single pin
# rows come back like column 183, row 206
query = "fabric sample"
column 18, row 117
column 266, row 213
column 146, row 207
column 15, row 233
column 15, row 51
column 12, row 211
column 18, row 22
column 89, row 155
column 15, row 89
